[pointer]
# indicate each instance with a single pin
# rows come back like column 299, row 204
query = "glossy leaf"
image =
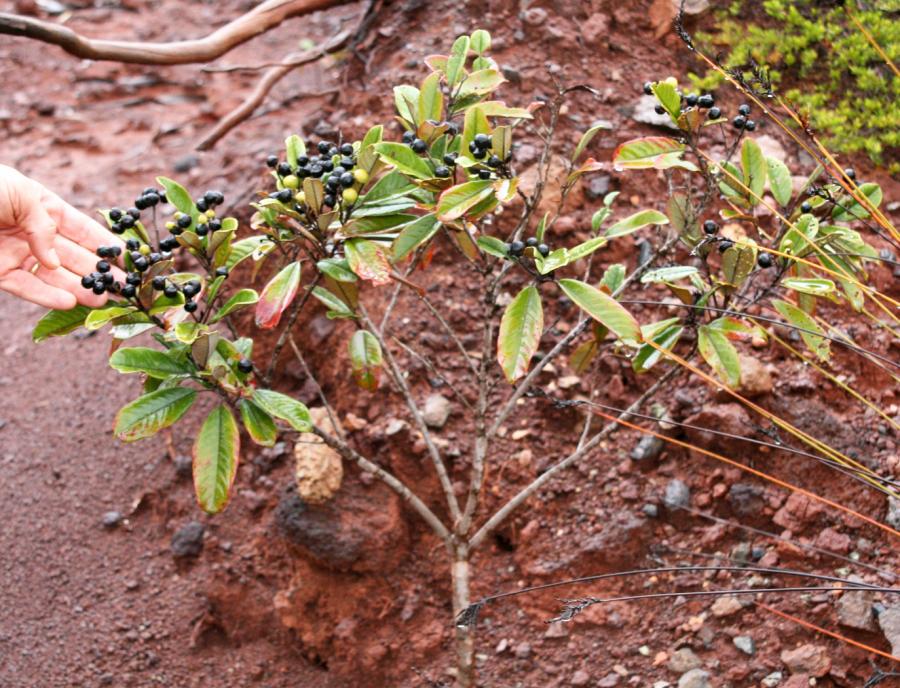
column 850, row 209
column 216, row 452
column 780, row 181
column 738, row 262
column 456, row 63
column 178, row 196
column 496, row 108
column 283, row 407
column 415, row 234
column 151, row 362
column 404, row 159
column 648, row 356
column 337, row 269
column 492, row 246
column 369, row 260
column 520, row 333
column 603, row 308
column 258, row 423
column 240, row 299
column 99, row 317
column 481, row 82
column 431, row 100
column 809, row 285
column 277, row 296
column 480, row 41
column 753, row 165
column 659, row 152
column 720, row 354
column 587, row 137
column 635, row 222
column 613, row 277
column 808, row 329
column 148, row 414
column 336, row 306
column 56, row 323
column 455, row 201
column 406, row 100
column 365, row 359
column 666, row 93
column 669, row 274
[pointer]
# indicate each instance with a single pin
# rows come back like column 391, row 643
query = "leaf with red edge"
column 365, row 359
column 369, row 260
column 216, row 452
column 277, row 296
column 659, row 152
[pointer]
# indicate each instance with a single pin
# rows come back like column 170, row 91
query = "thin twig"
column 332, row 415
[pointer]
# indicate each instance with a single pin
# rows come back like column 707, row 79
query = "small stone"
column 644, row 111
column 502, row 646
column 395, row 426
column 52, row 7
column 609, row 681
column 695, row 678
column 522, row 650
column 648, row 447
column 580, row 678
column 318, row 469
column 677, row 494
column 186, row 163
column 184, row 466
column 833, row 541
column 726, row 606
column 854, row 609
column 557, row 630
column 132, row 584
column 650, row 510
column 595, row 28
column 535, row 16
column 746, row 498
column 893, row 513
column 513, row 76
column 756, row 380
column 772, row 679
column 597, row 186
column 188, row 540
column 436, row 411
column 807, row 659
column 684, row 659
column 111, row 519
column 889, row 620
column 745, row 644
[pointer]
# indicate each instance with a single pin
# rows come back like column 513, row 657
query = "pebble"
column 502, row 646
column 186, row 163
column 597, row 186
column 184, row 466
column 580, row 678
column 650, row 510
column 684, row 659
column 188, row 540
column 677, row 494
column 809, row 659
column 889, row 620
column 854, row 609
column 111, row 519
column 436, row 411
column 772, row 679
column 522, row 650
column 695, row 678
column 726, row 606
column 893, row 513
column 609, row 681
column 648, row 447
column 745, row 644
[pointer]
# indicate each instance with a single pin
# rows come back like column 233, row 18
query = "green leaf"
column 406, row 98
column 414, row 235
column 337, row 269
column 635, row 222
column 455, row 201
column 99, row 317
column 431, row 100
column 602, row 308
column 555, row 260
column 294, row 148
column 457, row 61
column 738, row 262
column 57, row 323
column 520, row 333
column 216, row 452
column 780, row 181
column 336, row 307
column 669, row 274
column 720, row 354
column 377, row 224
column 258, row 423
column 492, row 246
column 753, row 163
column 391, row 185
column 659, row 152
column 178, row 196
column 147, row 415
column 365, row 359
column 587, row 137
column 404, row 159
column 497, row 108
column 475, row 122
column 277, row 296
column 244, row 248
column 285, row 408
column 667, row 94
column 613, row 278
column 808, row 328
column 599, row 217
column 240, row 299
column 586, row 248
column 480, row 41
column 151, row 362
column 849, row 209
column 583, row 355
column 369, row 260
column 648, row 356
column 809, row 285
column 481, row 82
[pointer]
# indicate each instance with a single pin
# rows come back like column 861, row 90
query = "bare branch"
column 332, row 416
column 260, row 19
column 286, row 331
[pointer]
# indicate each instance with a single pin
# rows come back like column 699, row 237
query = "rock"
column 798, row 512
column 807, row 659
column 772, row 679
column 746, row 498
column 611, row 680
column 695, row 678
column 188, row 540
column 677, row 494
column 580, row 678
column 889, row 620
column 745, row 644
column 51, row 7
column 798, row 681
column 595, row 28
column 186, row 163
column 111, row 519
column 522, row 650
column 771, row 147
column 502, row 646
column 318, row 470
column 725, row 606
column 436, row 411
column 617, row 542
column 650, row 510
column 756, row 380
column 729, row 418
column 513, row 76
column 360, row 529
column 597, row 186
column 184, row 466
column 644, row 111
column 833, row 541
column 647, row 448
column 854, row 609
column 684, row 659
column 692, row 6
column 535, row 16
column 893, row 513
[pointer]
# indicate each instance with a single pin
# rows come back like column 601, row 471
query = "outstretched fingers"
column 32, row 288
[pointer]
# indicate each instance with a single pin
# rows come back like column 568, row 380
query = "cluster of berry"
column 333, row 163
column 764, row 260
column 742, row 121
column 707, row 101
column 101, row 280
column 517, row 248
column 479, row 147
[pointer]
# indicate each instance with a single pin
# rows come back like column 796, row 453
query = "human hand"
column 46, row 245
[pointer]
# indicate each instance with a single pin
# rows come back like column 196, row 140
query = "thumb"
column 40, row 231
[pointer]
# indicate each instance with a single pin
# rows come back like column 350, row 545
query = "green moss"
column 824, row 65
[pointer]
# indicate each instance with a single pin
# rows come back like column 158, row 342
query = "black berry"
column 126, row 222
column 134, row 212
column 691, row 100
column 132, row 244
column 245, row 365
column 128, row 291
column 347, row 179
column 103, row 266
column 133, row 278
column 171, row 291
column 408, row 137
column 98, row 288
column 739, row 122
column 284, row 169
column 531, row 241
column 715, row 112
column 203, row 230
column 725, row 244
column 764, row 260
column 191, row 289
column 806, row 207
column 659, row 109
column 141, row 264
column 222, row 272
column 442, row 171
column 744, row 109
column 516, row 248
column 648, row 88
column 159, row 283
column 87, row 282
column 347, row 149
column 484, row 174
column 710, row 227
column 184, row 221
column 450, row 159
column 750, row 125
column 285, row 196
column 190, row 306
column 850, row 173
column 543, row 249
column 115, row 214
column 272, row 161
column 323, row 147
column 707, row 100
column 494, row 161
column 328, row 201
column 419, row 146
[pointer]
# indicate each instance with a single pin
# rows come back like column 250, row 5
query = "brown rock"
column 730, row 418
column 854, row 609
column 756, row 380
column 798, row 512
column 808, row 659
column 595, row 28
column 726, row 606
column 318, row 469
column 833, row 541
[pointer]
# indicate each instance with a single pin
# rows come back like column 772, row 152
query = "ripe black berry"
column 284, row 169
column 201, row 205
column 531, row 241
column 328, row 201
column 750, row 125
column 543, row 249
column 214, row 198
column 452, row 128
column 115, row 214
column 648, row 88
column 347, row 163
column 725, row 244
column 691, row 100
column 302, row 160
column 184, row 221
column 479, row 154
column 104, row 251
column 151, row 199
column 117, row 228
column 133, row 278
column 715, row 112
column 484, row 174
column 115, row 251
column 134, row 212
column 744, row 109
column 126, row 222
column 323, row 147
column 707, row 100
column 442, row 171
column 450, row 159
column 215, row 224
column 159, row 283
column 190, row 306
column 347, row 149
column 316, row 170
column 272, row 161
column 710, row 227
column 764, row 260
column 739, row 122
column 141, row 264
column 203, row 230
column 141, row 203
column 245, row 365
column 191, row 289
column 170, row 291
column 408, row 137
column 347, row 179
column 132, row 244
column 333, row 152
column 482, row 141
column 328, row 166
column 285, row 196
column 103, row 266
column 98, row 288
column 516, row 248
column 155, row 257
column 87, row 282
column 659, row 109
column 850, row 173
column 222, row 272
column 106, row 278
column 419, row 146
column 128, row 291
column 494, row 161
column 806, row 207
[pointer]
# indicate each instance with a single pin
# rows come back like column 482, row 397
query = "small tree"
column 344, row 219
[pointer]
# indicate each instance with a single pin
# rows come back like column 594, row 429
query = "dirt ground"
column 356, row 593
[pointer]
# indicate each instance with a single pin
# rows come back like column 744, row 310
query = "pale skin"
column 46, row 245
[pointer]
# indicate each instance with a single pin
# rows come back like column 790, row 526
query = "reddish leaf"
column 277, row 296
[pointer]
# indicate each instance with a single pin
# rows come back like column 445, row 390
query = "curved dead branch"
column 260, row 19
